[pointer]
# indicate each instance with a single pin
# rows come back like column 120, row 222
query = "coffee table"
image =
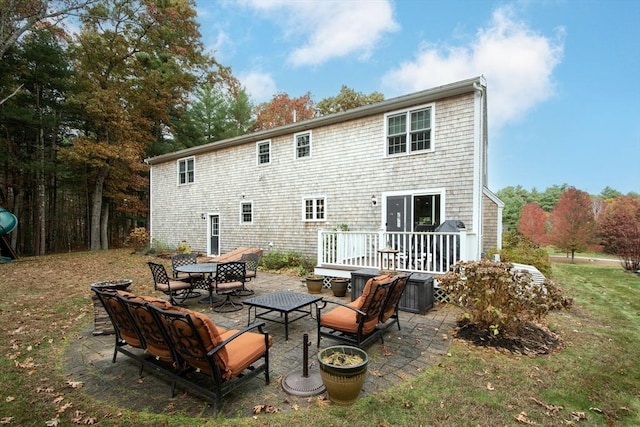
column 283, row 302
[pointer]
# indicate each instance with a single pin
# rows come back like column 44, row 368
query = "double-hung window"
column 246, row 213
column 186, row 170
column 303, row 144
column 264, row 152
column 409, row 131
column 314, row 209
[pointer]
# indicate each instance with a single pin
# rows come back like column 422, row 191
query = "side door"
column 214, row 235
column 398, row 213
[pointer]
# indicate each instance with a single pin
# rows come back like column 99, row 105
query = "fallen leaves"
column 267, row 409
column 550, row 408
column 522, row 418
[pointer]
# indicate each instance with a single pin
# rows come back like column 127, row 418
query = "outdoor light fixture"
column 374, row 201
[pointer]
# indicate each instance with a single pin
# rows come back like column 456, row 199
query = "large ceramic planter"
column 339, row 287
column 314, row 284
column 343, row 381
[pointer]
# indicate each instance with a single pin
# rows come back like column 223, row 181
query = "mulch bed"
column 531, row 340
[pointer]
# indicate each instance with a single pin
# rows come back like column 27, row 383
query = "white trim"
column 295, row 144
column 258, row 144
column 250, row 203
column 186, row 160
column 304, row 208
column 419, row 192
column 407, row 112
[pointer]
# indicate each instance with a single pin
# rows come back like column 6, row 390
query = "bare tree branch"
column 18, row 17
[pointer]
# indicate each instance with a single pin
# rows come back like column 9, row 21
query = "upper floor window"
column 409, row 131
column 186, row 170
column 264, row 152
column 246, row 213
column 303, row 144
column 314, row 209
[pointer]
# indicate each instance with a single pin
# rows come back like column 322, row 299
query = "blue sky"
column 563, row 76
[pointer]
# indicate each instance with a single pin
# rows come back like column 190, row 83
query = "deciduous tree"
column 346, row 100
column 282, row 110
column 619, row 229
column 572, row 222
column 533, row 223
column 136, row 60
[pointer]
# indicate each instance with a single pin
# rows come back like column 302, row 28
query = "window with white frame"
column 264, row 152
column 314, row 209
column 409, row 131
column 303, row 144
column 186, row 170
column 246, row 213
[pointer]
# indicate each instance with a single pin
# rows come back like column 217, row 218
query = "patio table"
column 283, row 302
column 207, row 270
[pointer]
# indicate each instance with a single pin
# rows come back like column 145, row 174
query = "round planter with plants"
column 343, row 369
column 314, row 284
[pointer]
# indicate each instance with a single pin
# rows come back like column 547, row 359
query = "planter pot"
column 343, row 381
column 339, row 287
column 314, row 284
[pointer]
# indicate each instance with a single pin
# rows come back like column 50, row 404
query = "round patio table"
column 207, row 270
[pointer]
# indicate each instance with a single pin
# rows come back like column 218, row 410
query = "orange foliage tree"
column 572, row 222
column 282, row 110
column 533, row 223
column 619, row 228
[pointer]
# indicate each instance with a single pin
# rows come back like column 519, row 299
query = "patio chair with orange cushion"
column 229, row 358
column 177, row 290
column 389, row 313
column 355, row 323
column 127, row 333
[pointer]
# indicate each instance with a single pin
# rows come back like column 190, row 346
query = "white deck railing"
column 420, row 252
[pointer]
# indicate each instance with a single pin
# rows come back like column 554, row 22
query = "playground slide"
column 8, row 222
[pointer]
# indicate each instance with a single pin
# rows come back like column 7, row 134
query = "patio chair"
column 178, row 260
column 177, row 290
column 251, row 261
column 229, row 358
column 228, row 282
column 389, row 313
column 355, row 323
column 127, row 333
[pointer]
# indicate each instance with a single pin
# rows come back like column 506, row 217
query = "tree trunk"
column 96, row 209
column 104, row 226
column 40, row 196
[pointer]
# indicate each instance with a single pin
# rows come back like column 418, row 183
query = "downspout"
column 478, row 162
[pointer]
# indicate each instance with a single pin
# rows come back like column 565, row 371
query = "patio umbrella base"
column 298, row 384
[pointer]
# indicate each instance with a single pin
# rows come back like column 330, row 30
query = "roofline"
column 428, row 95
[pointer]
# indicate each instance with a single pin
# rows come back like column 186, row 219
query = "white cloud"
column 260, row 86
column 516, row 61
column 331, row 28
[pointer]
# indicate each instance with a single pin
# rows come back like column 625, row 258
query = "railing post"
column 463, row 245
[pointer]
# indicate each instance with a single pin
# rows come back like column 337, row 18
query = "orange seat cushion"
column 346, row 320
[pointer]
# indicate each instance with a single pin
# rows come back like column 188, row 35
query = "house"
column 342, row 187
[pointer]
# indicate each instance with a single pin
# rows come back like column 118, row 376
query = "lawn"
column 594, row 380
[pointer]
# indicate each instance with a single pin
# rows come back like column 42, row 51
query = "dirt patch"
column 531, row 340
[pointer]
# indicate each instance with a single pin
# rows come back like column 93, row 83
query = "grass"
column 593, row 381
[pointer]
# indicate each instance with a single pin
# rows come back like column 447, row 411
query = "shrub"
column 183, row 247
column 138, row 238
column 497, row 298
column 277, row 260
column 518, row 248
